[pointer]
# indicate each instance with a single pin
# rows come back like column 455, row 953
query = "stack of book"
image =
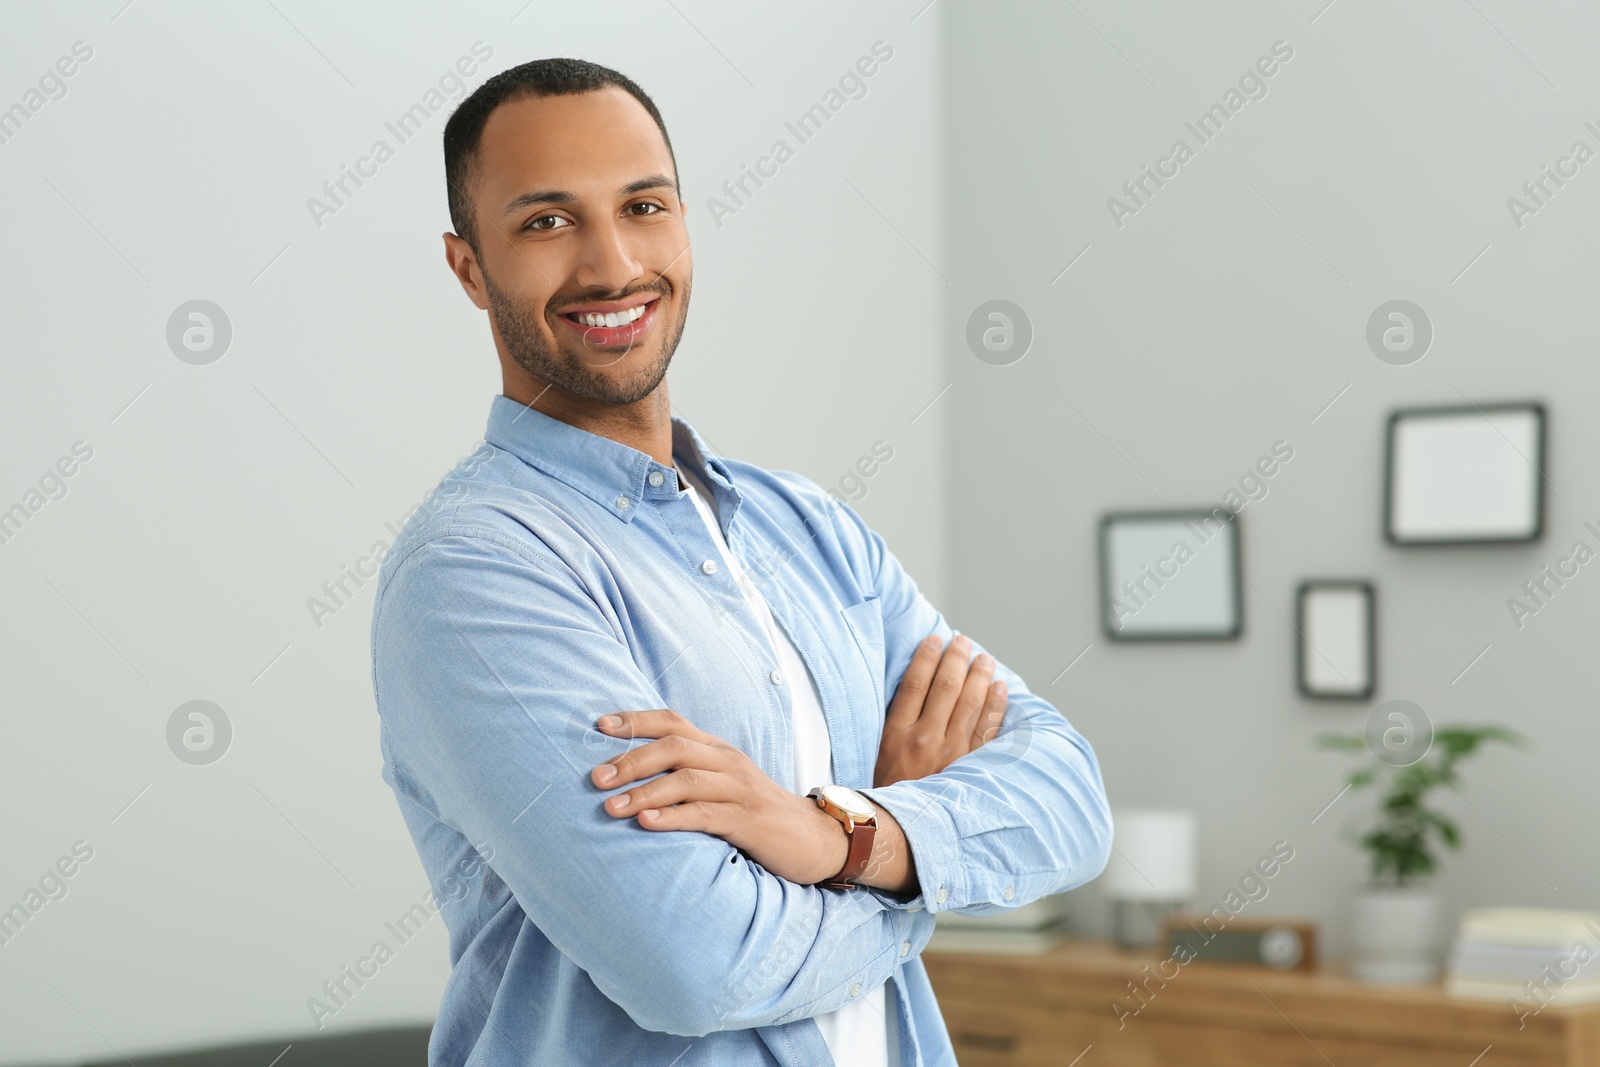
column 1038, row 926
column 1534, row 956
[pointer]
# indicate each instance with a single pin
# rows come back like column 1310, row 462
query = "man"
column 666, row 890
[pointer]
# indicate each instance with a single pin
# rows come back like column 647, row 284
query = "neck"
column 645, row 424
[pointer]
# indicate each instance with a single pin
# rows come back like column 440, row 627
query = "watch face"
column 852, row 803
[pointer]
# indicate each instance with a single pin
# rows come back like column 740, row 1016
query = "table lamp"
column 1152, row 873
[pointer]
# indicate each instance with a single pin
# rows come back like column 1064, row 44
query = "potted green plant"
column 1395, row 924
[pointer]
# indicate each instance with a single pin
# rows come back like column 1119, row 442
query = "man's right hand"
column 943, row 708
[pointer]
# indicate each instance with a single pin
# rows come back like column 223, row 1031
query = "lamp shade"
column 1155, row 857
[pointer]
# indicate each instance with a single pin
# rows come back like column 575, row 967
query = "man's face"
column 582, row 244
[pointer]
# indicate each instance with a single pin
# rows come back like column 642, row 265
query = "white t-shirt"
column 859, row 1034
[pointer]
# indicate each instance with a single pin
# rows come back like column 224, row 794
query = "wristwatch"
column 860, row 821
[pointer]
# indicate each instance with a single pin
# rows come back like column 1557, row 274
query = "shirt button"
column 942, row 894
column 624, row 503
column 905, row 947
column 656, row 477
column 855, row 989
column 709, row 566
column 1009, row 893
column 777, row 677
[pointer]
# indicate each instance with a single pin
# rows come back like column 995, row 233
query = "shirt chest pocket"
column 865, row 622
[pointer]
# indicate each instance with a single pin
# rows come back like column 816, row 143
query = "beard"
column 579, row 369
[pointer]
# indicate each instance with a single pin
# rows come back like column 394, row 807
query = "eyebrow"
column 561, row 196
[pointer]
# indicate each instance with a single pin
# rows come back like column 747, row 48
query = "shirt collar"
column 614, row 475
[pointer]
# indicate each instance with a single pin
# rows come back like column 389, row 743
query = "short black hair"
column 540, row 77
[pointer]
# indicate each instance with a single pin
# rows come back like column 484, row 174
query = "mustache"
column 658, row 290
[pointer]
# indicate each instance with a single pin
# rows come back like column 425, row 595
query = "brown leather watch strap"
column 860, row 832
column 855, row 864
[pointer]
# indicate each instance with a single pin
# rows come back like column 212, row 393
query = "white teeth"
column 615, row 318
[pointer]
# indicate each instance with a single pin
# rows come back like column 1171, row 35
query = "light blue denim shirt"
column 556, row 575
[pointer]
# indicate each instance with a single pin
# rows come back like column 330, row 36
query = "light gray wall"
column 219, row 498
column 1225, row 316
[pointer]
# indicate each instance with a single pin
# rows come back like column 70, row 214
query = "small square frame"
column 1213, row 515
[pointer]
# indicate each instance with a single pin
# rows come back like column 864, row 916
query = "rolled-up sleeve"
column 491, row 664
column 1020, row 817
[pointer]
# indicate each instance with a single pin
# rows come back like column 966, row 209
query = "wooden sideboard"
column 1022, row 1011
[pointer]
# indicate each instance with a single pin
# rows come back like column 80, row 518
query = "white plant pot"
column 1395, row 936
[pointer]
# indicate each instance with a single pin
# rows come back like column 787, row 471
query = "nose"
column 607, row 261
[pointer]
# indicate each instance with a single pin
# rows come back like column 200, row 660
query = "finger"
column 704, row 816
column 994, row 710
column 964, row 717
column 679, row 787
column 656, row 722
column 913, row 687
column 673, row 752
column 946, row 685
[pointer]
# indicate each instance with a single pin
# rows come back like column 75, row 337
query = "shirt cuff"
column 935, row 850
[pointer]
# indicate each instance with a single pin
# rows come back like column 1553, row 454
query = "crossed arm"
column 502, row 746
column 945, row 706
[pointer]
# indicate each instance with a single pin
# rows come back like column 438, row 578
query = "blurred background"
column 221, row 486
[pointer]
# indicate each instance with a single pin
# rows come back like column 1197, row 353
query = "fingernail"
column 606, row 774
column 609, row 722
column 997, row 688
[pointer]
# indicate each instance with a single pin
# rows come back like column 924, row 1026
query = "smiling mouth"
column 612, row 329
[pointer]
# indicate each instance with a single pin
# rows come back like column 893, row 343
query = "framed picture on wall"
column 1338, row 650
column 1465, row 475
column 1170, row 575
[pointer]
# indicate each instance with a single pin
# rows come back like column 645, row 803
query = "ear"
column 463, row 263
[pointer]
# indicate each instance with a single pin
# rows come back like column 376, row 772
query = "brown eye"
column 535, row 223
